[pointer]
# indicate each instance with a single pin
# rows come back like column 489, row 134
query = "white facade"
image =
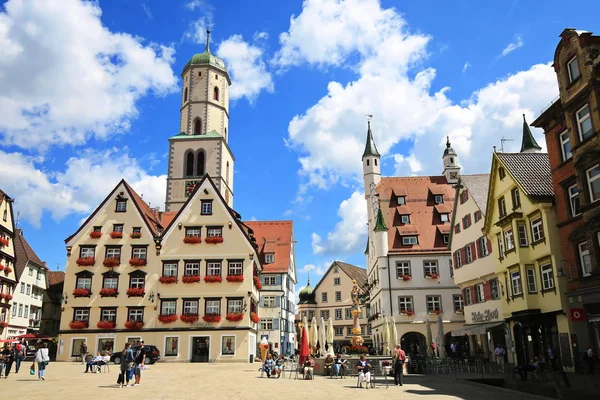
column 26, row 311
column 277, row 311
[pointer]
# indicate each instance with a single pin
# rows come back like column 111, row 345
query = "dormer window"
column 401, row 200
column 445, row 217
column 121, row 206
column 439, row 199
column 269, row 258
column 573, row 68
column 405, row 219
column 409, row 240
column 501, row 173
column 445, row 238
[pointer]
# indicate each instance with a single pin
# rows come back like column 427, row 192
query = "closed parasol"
column 440, row 340
column 386, row 337
column 304, row 350
column 322, row 337
column 314, row 335
column 393, row 333
column 429, row 351
column 330, row 337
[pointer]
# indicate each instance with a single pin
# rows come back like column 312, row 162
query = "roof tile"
column 478, row 186
column 531, row 171
column 24, row 253
column 274, row 237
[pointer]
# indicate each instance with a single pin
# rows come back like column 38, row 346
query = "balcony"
column 34, row 323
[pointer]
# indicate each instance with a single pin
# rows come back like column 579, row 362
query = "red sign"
column 577, row 314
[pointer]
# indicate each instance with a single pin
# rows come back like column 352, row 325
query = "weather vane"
column 369, row 117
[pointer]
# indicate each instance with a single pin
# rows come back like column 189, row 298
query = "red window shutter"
column 472, row 289
column 454, row 260
column 487, row 291
column 464, row 295
column 473, row 251
column 478, row 248
column 463, row 256
column 489, row 245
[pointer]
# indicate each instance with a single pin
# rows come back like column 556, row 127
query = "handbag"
column 32, row 369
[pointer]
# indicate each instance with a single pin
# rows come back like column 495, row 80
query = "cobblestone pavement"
column 227, row 381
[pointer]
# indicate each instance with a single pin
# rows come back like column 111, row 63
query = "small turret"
column 451, row 167
column 528, row 144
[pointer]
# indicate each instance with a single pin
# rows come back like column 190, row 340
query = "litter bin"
column 251, row 358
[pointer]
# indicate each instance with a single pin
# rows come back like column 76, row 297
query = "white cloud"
column 466, row 67
column 65, row 77
column 196, row 31
column 147, row 10
column 401, row 162
column 316, row 271
column 193, row 4
column 260, row 36
column 248, row 70
column 84, row 183
column 514, row 45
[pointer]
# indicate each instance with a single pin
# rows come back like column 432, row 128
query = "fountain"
column 356, row 339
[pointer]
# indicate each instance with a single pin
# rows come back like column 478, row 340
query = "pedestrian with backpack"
column 127, row 365
column 20, row 353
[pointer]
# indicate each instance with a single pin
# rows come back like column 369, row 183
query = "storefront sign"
column 577, row 314
column 485, row 316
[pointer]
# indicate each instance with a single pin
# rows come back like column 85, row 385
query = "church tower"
column 451, row 167
column 201, row 147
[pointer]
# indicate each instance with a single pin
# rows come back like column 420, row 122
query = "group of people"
column 132, row 364
column 95, row 364
column 274, row 367
column 15, row 353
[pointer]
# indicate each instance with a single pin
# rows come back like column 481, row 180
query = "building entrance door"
column 200, row 349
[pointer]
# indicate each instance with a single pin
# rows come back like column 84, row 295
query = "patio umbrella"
column 393, row 333
column 375, row 343
column 429, row 351
column 322, row 336
column 386, row 337
column 304, row 350
column 440, row 340
column 33, row 336
column 314, row 335
column 330, row 337
column 304, row 325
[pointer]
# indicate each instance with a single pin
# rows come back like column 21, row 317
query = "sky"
column 90, row 93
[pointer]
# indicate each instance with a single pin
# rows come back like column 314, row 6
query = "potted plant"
column 234, row 317
column 406, row 278
column 3, row 324
column 257, row 283
column 190, row 278
column 213, row 279
column 167, row 279
column 135, row 292
column 432, row 276
column 135, row 235
column 9, row 297
column 254, row 317
column 235, row 278
column 192, row 239
column 3, row 242
column 134, row 324
column 137, row 262
column 116, row 235
column 111, row 262
column 78, row 324
column 7, row 270
column 1, row 267
column 189, row 318
column 81, row 292
column 212, row 318
column 2, row 296
column 167, row 319
column 95, row 234
column 410, row 313
column 214, row 239
column 108, row 292
column 106, row 325
column 86, row 261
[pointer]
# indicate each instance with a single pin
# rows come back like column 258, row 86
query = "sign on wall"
column 484, row 316
column 577, row 314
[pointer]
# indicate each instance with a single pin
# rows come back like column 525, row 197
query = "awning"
column 475, row 329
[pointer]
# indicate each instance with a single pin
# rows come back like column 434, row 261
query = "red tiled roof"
column 420, row 192
column 150, row 215
column 55, row 277
column 273, row 237
column 403, row 210
column 166, row 217
column 444, row 229
column 24, row 253
column 443, row 208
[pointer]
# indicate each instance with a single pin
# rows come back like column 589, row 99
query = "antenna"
column 502, row 143
column 369, row 116
column 17, row 220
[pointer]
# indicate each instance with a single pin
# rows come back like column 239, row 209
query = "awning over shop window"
column 475, row 329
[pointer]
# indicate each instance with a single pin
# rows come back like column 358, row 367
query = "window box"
column 136, row 292
column 192, row 239
column 235, row 278
column 3, row 324
column 86, row 261
column 190, row 278
column 106, row 325
column 167, row 279
column 3, row 242
column 436, row 312
column 2, row 296
column 78, row 324
column 212, row 318
column 80, row 292
column 234, row 317
column 111, row 262
column 95, row 235
column 116, row 235
column 137, row 262
column 9, row 297
column 1, row 267
column 254, row 317
column 405, row 277
column 134, row 324
column 214, row 239
column 213, row 279
column 459, row 311
column 7, row 270
column 108, row 292
column 408, row 313
column 257, row 283
column 167, row 319
column 189, row 318
column 432, row 276
column 136, row 235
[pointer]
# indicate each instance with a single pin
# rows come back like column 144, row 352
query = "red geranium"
column 213, row 279
column 108, row 292
column 2, row 296
column 167, row 319
column 86, row 261
column 3, row 242
column 190, row 278
column 410, row 313
column 137, row 262
column 257, row 283
column 167, row 279
column 1, row 267
column 3, row 324
column 136, row 235
column 80, row 292
column 111, row 262
column 357, row 350
column 432, row 276
column 192, row 239
column 254, row 317
column 214, row 239
column 116, row 235
column 135, row 292
column 95, row 235
column 78, row 324
column 7, row 270
column 234, row 317
column 9, row 297
column 106, row 325
column 235, row 278
column 134, row 324
column 406, row 278
column 189, row 318
column 212, row 318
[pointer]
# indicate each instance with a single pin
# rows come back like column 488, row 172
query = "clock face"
column 453, row 175
column 189, row 187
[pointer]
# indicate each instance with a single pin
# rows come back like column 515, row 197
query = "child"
column 269, row 364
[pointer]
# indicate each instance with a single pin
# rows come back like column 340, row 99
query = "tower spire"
column 370, row 148
column 528, row 145
column 207, row 41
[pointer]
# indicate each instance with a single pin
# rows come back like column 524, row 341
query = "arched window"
column 197, row 126
column 367, row 162
column 185, row 95
column 200, row 163
column 199, row 73
column 451, row 160
column 375, row 161
column 189, row 163
column 227, row 173
column 216, row 94
column 225, row 133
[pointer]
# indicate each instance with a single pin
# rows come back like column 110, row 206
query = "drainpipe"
column 390, row 287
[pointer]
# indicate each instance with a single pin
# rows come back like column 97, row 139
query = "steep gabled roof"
column 531, row 171
column 355, row 273
column 370, row 148
column 478, row 186
column 24, row 253
column 274, row 237
column 55, row 277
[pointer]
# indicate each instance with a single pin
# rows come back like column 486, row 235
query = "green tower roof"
column 449, row 150
column 380, row 222
column 206, row 57
column 370, row 149
column 528, row 144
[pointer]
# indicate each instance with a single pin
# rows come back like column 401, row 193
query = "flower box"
column 3, row 242
column 116, row 235
column 212, row 318
column 108, row 292
column 167, row 319
column 137, row 262
column 86, row 261
column 2, row 296
column 432, row 276
column 7, row 270
column 111, row 262
column 106, row 325
column 80, row 292
column 410, row 313
column 135, row 235
column 167, row 279
column 213, row 279
column 357, row 350
column 78, row 324
column 192, row 239
column 254, row 317
column 135, row 292
column 437, row 312
column 190, row 278
column 189, row 318
column 3, row 324
column 235, row 278
column 1, row 267
column 257, row 283
column 234, row 317
column 214, row 239
column 134, row 324
column 95, row 235
column 406, row 278
column 9, row 297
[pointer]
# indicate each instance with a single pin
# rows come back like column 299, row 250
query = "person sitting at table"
column 309, row 366
column 89, row 366
column 364, row 371
column 279, row 365
column 269, row 364
column 338, row 364
column 328, row 365
column 105, row 360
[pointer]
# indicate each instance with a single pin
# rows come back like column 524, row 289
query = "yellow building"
column 521, row 224
column 8, row 278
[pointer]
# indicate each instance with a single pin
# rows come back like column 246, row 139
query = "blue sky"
column 89, row 93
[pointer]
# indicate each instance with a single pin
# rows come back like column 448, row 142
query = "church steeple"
column 528, row 144
column 451, row 167
column 370, row 148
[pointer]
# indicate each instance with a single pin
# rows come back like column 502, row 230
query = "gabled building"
column 276, row 248
column 52, row 304
column 8, row 273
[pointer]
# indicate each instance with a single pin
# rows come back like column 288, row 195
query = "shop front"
column 484, row 330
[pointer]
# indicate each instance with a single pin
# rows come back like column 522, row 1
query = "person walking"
column 400, row 357
column 42, row 358
column 83, row 350
column 127, row 364
column 9, row 357
column 140, row 362
column 20, row 353
column 551, row 357
column 499, row 354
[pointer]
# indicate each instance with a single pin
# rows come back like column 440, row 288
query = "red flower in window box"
column 437, row 312
column 3, row 242
column 78, row 324
column 3, row 324
column 9, row 297
column 7, row 270
column 235, row 278
column 116, row 235
column 134, row 324
column 192, row 239
column 2, row 296
column 189, row 318
column 106, row 325
column 235, row 316
column 80, row 292
column 95, row 235
column 111, row 262
column 137, row 262
column 190, row 278
column 432, row 276
column 135, row 292
column 167, row 279
column 212, row 318
column 136, row 235
column 254, row 317
column 214, row 239
column 406, row 278
column 167, row 319
column 257, row 283
column 1, row 267
column 213, row 279
column 86, row 261
column 410, row 313
column 108, row 292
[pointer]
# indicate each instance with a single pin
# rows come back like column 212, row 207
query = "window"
column 235, row 268
column 336, row 281
column 266, row 324
column 5, row 215
column 584, row 257
column 311, row 314
column 139, row 252
column 458, row 259
column 199, row 166
column 501, row 173
column 531, row 282
column 193, row 231
column 81, row 314
column 338, row 314
column 451, row 269
column 477, row 215
column 269, row 258
column 30, row 271
column 405, row 219
column 574, row 200
column 573, row 68
column 348, row 313
column 136, row 231
column 108, row 314
column 495, row 289
column 457, row 228
column 434, row 304
column 348, row 330
column 191, row 268
column 135, row 314
column 110, row 282
column 537, row 230
column 171, row 346
column 216, row 93
column 213, row 268
column 26, row 312
column 547, row 277
column 405, row 304
column 409, row 240
column 458, row 302
column 118, row 228
column 84, row 252
column 509, row 239
column 137, row 282
column 197, row 126
column 20, row 310
column 228, row 345
column 339, row 331
column 206, row 207
column 479, row 295
column 235, row 306
column 515, row 279
column 464, row 196
column 402, row 269
column 430, row 268
column 584, row 122
column 190, row 306
column 338, row 296
column 268, row 302
column 483, row 248
column 593, row 178
column 22, row 287
column 522, row 231
column 336, row 270
column 189, row 163
column 14, row 309
column 212, row 307
column 168, row 307
column 121, row 206
column 439, row 199
column 324, row 297
column 269, row 280
column 214, row 231
column 502, row 207
column 185, row 94
column 516, row 198
column 444, row 217
column 113, row 252
column 565, row 146
column 468, row 299
column 83, row 282
column 445, row 238
column 469, row 252
column 325, row 314
column 466, row 221
column 169, row 269
column 401, row 200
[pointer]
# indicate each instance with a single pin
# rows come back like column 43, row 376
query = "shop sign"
column 577, row 314
column 485, row 316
